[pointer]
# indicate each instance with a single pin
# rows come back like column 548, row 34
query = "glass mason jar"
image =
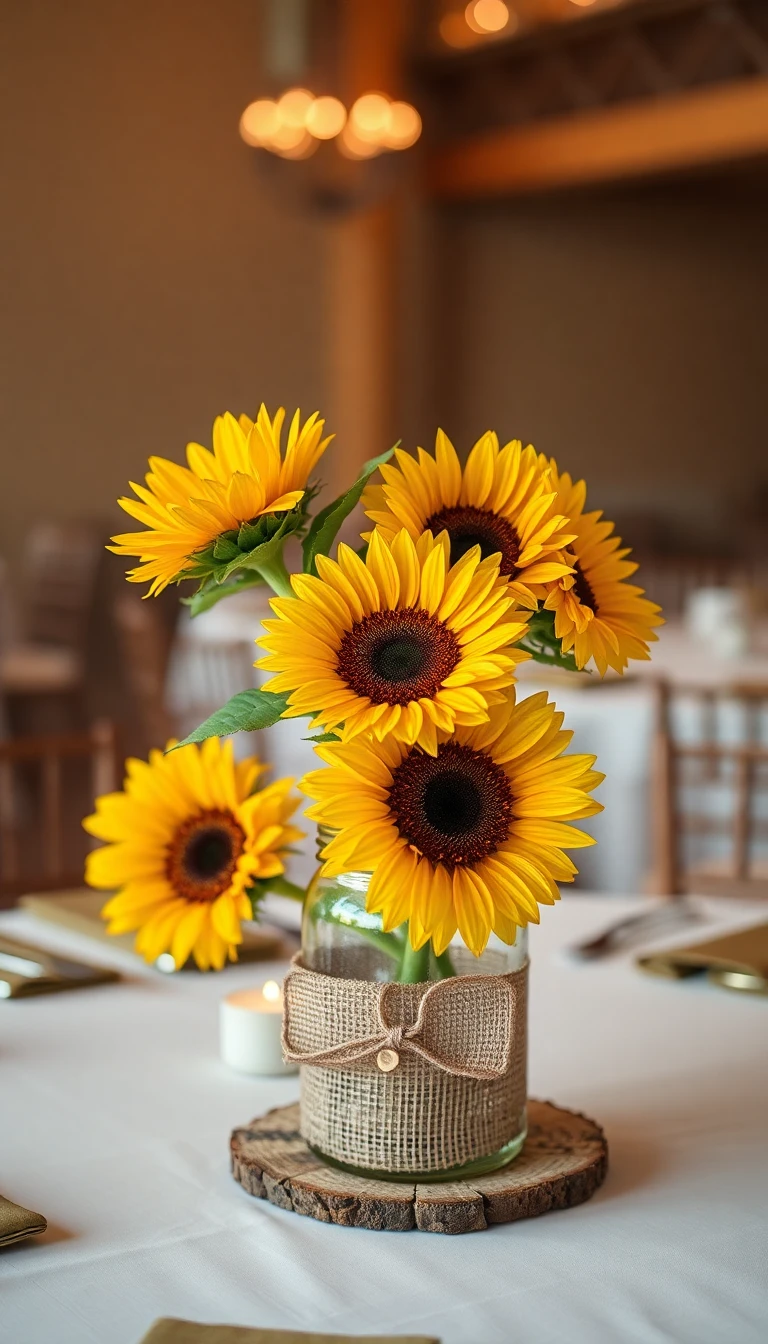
column 341, row 938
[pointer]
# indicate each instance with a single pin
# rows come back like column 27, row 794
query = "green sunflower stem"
column 444, row 964
column 390, row 944
column 281, row 886
column 276, row 575
column 414, row 967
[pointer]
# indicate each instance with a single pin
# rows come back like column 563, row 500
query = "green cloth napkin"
column 169, row 1331
column 17, row 1223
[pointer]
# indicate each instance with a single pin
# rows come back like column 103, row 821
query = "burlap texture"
column 458, row 1091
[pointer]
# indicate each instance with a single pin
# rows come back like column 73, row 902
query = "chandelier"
column 297, row 123
column 312, row 100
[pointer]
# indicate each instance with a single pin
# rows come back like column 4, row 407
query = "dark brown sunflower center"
column 583, row 589
column 203, row 854
column 397, row 656
column 455, row 808
column 468, row 527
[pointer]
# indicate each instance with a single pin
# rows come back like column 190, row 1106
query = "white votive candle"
column 251, row 1022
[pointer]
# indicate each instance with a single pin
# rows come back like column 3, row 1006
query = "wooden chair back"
column 712, row 793
column 41, row 811
column 144, row 642
column 672, row 580
column 8, row 630
column 175, row 680
column 60, row 564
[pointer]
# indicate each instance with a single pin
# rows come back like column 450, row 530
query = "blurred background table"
column 617, row 720
column 115, row 1123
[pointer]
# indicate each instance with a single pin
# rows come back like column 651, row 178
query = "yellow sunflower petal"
column 598, row 614
column 193, row 838
column 184, row 509
column 489, row 865
column 504, row 498
column 383, row 659
column 225, row 920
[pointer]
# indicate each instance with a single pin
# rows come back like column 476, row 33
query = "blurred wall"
column 151, row 279
column 625, row 332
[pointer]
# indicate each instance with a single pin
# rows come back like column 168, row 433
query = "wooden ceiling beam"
column 719, row 124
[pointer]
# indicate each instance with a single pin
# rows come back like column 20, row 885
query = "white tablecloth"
column 115, row 1115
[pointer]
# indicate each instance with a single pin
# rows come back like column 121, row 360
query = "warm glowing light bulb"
column 259, row 122
column 288, row 139
column 271, row 991
column 370, row 116
column 455, row 30
column 354, row 146
column 487, row 16
column 293, row 108
column 304, row 150
column 583, row 4
column 326, row 118
column 404, row 126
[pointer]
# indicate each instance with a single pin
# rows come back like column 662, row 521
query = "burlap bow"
column 463, row 1025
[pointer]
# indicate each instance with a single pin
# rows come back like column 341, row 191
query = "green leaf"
column 565, row 660
column 211, row 592
column 278, row 886
column 323, row 737
column 246, row 712
column 263, row 553
column 251, row 545
column 326, row 523
column 541, row 627
column 200, row 565
column 251, row 535
column 542, row 642
column 225, row 548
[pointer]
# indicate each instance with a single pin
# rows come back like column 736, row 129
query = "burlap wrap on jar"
column 408, row 1078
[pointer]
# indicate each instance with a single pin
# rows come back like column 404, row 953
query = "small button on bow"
column 387, row 1060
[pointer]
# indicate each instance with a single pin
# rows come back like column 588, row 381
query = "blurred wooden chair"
column 710, row 791
column 46, row 655
column 671, row 580
column 144, row 644
column 41, row 806
column 175, row 680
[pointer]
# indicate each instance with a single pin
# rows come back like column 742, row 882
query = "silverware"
column 648, row 923
column 26, row 970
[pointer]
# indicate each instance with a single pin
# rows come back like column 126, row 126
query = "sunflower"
column 597, row 613
column 400, row 645
column 470, row 838
column 502, row 501
column 188, row 837
column 225, row 502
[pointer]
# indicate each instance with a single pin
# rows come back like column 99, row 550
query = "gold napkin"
column 17, row 1223
column 732, row 960
column 171, row 1331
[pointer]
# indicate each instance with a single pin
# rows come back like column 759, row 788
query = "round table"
column 115, row 1120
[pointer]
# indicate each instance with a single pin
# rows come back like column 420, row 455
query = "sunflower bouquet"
column 456, row 797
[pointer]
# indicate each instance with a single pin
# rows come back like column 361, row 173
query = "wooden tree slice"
column 563, row 1163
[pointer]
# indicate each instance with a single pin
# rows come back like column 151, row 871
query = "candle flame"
column 271, row 991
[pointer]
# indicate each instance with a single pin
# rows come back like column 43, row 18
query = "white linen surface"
column 115, row 1115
